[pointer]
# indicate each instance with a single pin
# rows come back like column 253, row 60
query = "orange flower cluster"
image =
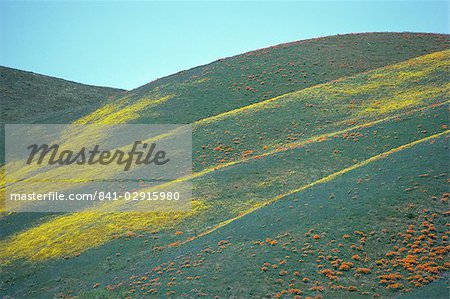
column 329, row 274
column 395, row 286
column 345, row 266
column 317, row 288
column 288, row 291
column 271, row 241
column 422, row 255
column 356, row 257
column 388, row 278
column 363, row 270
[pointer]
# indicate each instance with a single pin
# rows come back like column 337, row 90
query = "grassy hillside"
column 28, row 97
column 332, row 239
column 259, row 75
column 403, row 112
column 239, row 134
column 332, row 185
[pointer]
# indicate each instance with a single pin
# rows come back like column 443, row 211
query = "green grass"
column 224, row 193
column 352, row 207
column 252, row 77
column 352, row 102
column 436, row 289
column 331, row 210
column 28, row 97
column 275, row 163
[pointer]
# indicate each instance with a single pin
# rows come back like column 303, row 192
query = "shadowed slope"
column 27, row 97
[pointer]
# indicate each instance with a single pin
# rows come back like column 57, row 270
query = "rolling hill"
column 41, row 96
column 28, row 98
column 320, row 169
column 238, row 81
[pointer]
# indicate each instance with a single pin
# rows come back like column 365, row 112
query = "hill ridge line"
column 213, row 118
column 31, row 73
column 300, row 41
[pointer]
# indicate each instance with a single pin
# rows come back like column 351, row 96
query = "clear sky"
column 127, row 44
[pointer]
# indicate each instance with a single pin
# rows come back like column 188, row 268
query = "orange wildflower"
column 363, row 270
column 356, row 257
column 345, row 266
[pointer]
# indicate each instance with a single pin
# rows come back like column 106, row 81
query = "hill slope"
column 332, row 239
column 279, row 178
column 27, row 97
column 351, row 123
column 252, row 77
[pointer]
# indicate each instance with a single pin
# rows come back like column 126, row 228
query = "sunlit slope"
column 150, row 250
column 255, row 76
column 134, row 106
column 381, row 228
column 354, row 135
column 272, row 124
column 266, row 126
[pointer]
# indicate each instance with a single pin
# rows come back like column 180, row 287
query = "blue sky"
column 127, row 44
